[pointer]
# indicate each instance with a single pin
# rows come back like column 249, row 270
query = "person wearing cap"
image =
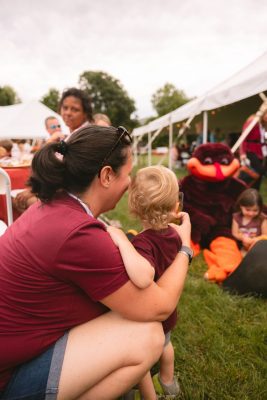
column 53, row 127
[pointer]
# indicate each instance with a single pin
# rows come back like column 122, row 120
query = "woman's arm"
column 156, row 302
column 264, row 227
column 140, row 271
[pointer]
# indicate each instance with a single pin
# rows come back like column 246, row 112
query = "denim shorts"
column 38, row 379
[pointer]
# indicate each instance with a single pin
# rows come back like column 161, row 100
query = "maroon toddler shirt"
column 159, row 248
column 56, row 264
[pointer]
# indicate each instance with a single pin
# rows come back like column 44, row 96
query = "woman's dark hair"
column 83, row 97
column 84, row 155
column 249, row 198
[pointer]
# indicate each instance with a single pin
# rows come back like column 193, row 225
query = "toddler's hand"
column 117, row 235
column 184, row 229
column 247, row 241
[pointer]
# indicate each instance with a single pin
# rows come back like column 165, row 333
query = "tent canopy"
column 26, row 121
column 248, row 82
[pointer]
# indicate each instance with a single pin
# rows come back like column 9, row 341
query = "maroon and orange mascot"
column 210, row 193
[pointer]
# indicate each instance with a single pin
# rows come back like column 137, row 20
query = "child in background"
column 249, row 222
column 153, row 197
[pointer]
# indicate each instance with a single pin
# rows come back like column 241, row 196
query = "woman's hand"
column 184, row 229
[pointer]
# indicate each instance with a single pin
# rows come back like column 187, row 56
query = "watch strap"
column 188, row 251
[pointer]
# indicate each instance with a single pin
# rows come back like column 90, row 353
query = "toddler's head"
column 250, row 202
column 153, row 196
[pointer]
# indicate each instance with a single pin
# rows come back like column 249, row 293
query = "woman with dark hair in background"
column 61, row 274
column 76, row 110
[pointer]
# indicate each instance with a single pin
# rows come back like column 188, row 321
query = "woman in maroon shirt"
column 60, row 274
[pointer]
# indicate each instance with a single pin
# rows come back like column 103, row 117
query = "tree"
column 167, row 99
column 8, row 96
column 51, row 99
column 109, row 97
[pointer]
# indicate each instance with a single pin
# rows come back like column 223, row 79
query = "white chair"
column 3, row 227
column 5, row 188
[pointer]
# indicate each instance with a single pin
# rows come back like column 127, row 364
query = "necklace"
column 85, row 206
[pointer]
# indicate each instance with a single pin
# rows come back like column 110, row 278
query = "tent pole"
column 137, row 139
column 151, row 138
column 149, row 150
column 262, row 110
column 135, row 152
column 170, row 142
column 205, row 127
column 185, row 126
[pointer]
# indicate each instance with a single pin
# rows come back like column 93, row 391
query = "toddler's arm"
column 264, row 227
column 140, row 271
column 235, row 231
column 261, row 236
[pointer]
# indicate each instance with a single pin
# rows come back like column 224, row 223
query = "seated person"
column 249, row 222
column 53, row 127
column 5, row 148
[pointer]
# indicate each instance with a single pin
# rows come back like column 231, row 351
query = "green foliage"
column 8, row 96
column 109, row 97
column 51, row 99
column 168, row 98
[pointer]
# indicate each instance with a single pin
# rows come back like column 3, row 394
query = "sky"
column 193, row 44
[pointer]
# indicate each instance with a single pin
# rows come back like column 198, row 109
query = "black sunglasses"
column 123, row 133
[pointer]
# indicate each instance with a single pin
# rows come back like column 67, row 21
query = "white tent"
column 248, row 82
column 26, row 121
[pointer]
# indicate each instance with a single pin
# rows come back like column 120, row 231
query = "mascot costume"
column 210, row 193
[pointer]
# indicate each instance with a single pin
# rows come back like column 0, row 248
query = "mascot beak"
column 215, row 172
column 218, row 172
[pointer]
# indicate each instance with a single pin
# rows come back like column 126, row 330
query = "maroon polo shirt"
column 56, row 263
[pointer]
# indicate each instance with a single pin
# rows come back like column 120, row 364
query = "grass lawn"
column 220, row 340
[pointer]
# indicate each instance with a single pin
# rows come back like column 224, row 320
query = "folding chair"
column 5, row 189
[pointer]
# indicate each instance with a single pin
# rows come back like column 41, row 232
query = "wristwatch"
column 188, row 251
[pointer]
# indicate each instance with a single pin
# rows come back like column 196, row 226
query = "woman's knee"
column 154, row 339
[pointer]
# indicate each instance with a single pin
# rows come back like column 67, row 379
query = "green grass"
column 220, row 340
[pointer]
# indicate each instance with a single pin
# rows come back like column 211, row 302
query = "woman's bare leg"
column 107, row 356
column 146, row 388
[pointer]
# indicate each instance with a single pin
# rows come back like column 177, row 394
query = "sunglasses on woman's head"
column 54, row 126
column 123, row 134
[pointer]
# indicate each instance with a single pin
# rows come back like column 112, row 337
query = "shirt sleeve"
column 90, row 260
column 144, row 248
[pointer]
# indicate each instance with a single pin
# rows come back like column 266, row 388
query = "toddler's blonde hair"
column 153, row 196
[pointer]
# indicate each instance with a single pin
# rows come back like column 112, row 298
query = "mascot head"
column 213, row 162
